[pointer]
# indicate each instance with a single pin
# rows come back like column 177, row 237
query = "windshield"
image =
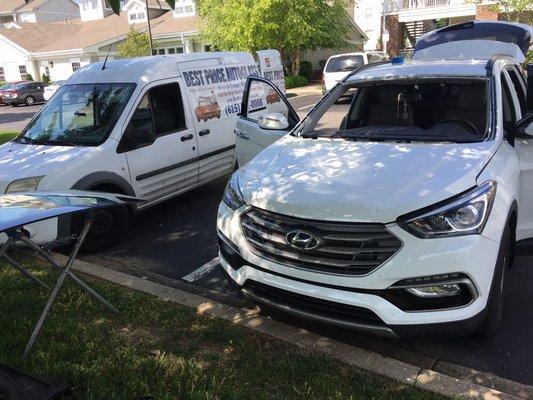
column 443, row 110
column 7, row 86
column 78, row 115
column 344, row 63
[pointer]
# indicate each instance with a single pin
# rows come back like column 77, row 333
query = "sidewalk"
column 311, row 89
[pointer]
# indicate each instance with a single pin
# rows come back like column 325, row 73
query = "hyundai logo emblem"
column 301, row 240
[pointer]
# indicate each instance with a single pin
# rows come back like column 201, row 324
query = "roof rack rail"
column 491, row 62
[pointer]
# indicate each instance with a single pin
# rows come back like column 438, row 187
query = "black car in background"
column 27, row 93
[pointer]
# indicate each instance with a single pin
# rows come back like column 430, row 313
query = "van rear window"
column 344, row 63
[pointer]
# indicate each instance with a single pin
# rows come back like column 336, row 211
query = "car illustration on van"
column 272, row 97
column 396, row 214
column 207, row 109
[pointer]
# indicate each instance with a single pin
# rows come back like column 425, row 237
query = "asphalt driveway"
column 15, row 118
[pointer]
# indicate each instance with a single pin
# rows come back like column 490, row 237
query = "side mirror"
column 273, row 121
column 525, row 125
column 135, row 138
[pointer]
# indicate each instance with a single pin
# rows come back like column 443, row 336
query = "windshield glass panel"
column 344, row 63
column 79, row 115
column 449, row 111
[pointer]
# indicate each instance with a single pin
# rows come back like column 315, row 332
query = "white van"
column 340, row 65
column 398, row 213
column 149, row 127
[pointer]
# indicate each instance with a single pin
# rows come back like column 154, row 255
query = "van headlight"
column 465, row 214
column 24, row 185
column 232, row 194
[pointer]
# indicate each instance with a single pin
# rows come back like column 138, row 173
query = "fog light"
column 427, row 292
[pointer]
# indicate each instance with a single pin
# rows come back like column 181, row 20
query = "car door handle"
column 241, row 134
column 204, row 132
column 188, row 137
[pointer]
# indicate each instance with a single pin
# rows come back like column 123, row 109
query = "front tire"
column 109, row 226
column 29, row 100
column 494, row 310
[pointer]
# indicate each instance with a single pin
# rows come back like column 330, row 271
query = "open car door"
column 265, row 116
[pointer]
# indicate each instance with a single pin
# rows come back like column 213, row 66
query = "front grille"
column 343, row 248
column 328, row 310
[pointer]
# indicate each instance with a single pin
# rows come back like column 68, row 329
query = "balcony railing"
column 417, row 4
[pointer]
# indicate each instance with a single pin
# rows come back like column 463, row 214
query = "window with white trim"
column 2, row 75
column 75, row 65
column 47, row 71
column 23, row 72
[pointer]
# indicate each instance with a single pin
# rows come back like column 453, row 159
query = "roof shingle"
column 61, row 36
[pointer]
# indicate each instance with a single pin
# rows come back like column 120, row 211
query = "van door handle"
column 204, row 132
column 241, row 134
column 188, row 137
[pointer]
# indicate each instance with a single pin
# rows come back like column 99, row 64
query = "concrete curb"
column 403, row 372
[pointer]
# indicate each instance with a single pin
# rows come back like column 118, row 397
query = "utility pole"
column 149, row 29
column 384, row 33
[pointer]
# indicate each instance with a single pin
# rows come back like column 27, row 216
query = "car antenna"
column 107, row 56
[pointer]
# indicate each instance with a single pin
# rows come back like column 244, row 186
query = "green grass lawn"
column 6, row 136
column 165, row 351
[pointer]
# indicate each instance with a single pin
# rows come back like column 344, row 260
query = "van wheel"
column 30, row 101
column 494, row 310
column 109, row 226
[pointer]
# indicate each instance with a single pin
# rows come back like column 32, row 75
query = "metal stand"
column 18, row 235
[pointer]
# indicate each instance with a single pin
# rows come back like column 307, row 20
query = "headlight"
column 465, row 214
column 232, row 194
column 24, row 185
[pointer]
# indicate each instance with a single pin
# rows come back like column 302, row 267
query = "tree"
column 290, row 26
column 514, row 10
column 136, row 44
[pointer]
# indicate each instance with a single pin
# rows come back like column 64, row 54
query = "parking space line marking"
column 203, row 270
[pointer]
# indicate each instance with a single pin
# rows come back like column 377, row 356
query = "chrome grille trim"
column 352, row 249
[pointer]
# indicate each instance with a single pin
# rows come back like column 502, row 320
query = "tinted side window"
column 518, row 87
column 167, row 107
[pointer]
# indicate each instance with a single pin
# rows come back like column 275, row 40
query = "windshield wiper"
column 50, row 142
column 29, row 140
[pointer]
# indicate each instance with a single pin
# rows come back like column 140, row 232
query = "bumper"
column 471, row 256
column 10, row 101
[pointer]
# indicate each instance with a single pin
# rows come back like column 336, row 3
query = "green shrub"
column 529, row 57
column 29, row 77
column 45, row 78
column 306, row 70
column 295, row 81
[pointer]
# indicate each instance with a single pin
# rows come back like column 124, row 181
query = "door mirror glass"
column 139, row 132
column 273, row 121
column 525, row 126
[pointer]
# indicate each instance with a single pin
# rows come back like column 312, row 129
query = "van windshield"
column 78, row 115
column 344, row 63
column 439, row 110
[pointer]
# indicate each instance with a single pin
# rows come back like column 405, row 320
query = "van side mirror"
column 134, row 138
column 529, row 105
column 273, row 121
column 525, row 125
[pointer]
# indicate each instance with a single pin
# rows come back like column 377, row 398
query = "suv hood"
column 26, row 160
column 341, row 180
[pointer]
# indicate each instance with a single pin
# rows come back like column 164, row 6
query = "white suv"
column 398, row 213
